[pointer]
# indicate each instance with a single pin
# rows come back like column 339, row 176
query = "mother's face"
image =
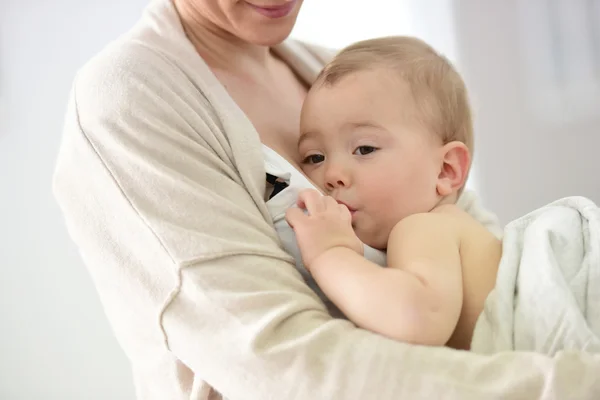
column 261, row 22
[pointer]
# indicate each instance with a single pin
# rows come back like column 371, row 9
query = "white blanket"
column 547, row 294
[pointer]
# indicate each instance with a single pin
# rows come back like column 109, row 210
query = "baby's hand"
column 327, row 225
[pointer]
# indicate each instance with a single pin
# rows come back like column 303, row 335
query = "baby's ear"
column 456, row 161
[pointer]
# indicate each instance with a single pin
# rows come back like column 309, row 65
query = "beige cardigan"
column 161, row 180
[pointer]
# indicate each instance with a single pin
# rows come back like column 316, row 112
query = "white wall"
column 56, row 343
column 537, row 105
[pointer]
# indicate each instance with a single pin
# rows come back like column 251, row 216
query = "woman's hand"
column 328, row 225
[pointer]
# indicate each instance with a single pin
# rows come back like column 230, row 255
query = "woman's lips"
column 274, row 12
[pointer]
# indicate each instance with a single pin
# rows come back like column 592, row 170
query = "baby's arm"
column 417, row 299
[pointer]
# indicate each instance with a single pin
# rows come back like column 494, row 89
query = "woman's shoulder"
column 131, row 78
column 118, row 63
column 154, row 56
column 127, row 83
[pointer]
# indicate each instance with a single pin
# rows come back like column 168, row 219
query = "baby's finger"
column 311, row 200
column 330, row 202
column 294, row 216
column 344, row 212
column 301, row 196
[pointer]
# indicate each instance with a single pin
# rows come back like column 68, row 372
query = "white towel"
column 547, row 294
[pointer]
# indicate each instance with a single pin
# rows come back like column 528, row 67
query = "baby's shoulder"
column 468, row 228
column 449, row 209
column 448, row 220
column 443, row 220
column 453, row 213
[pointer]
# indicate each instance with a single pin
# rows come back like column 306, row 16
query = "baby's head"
column 386, row 129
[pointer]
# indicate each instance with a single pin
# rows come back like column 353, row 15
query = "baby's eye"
column 364, row 150
column 314, row 159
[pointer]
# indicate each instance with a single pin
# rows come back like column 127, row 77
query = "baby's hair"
column 438, row 90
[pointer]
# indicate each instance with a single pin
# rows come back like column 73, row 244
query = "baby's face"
column 362, row 144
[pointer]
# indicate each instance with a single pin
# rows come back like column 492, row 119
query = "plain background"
column 534, row 79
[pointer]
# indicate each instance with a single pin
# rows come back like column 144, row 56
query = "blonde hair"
column 438, row 90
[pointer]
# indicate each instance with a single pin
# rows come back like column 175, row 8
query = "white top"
column 278, row 166
column 161, row 180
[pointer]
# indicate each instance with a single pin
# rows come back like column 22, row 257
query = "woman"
column 161, row 178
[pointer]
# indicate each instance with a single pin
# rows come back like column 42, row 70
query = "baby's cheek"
column 392, row 208
column 313, row 176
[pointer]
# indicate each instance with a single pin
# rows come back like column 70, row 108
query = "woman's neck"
column 219, row 48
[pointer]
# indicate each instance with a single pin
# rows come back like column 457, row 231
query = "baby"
column 386, row 133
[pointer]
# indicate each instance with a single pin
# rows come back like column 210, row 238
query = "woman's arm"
column 189, row 268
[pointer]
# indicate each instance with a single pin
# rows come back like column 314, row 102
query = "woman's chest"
column 274, row 116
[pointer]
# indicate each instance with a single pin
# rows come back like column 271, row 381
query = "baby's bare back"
column 480, row 253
